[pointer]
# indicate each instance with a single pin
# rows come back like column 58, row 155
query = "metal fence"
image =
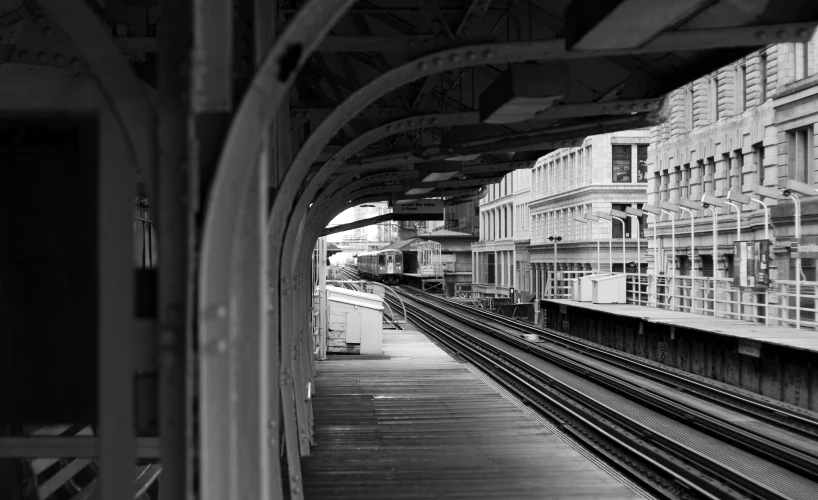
column 786, row 303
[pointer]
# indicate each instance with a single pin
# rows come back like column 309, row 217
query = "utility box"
column 574, row 289
column 586, row 288
column 355, row 323
column 609, row 289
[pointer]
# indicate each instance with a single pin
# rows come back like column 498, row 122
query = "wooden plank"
column 421, row 425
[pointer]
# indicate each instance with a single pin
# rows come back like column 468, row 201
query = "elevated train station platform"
column 422, row 424
column 775, row 361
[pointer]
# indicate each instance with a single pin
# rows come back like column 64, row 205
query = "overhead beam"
column 622, row 24
column 695, row 39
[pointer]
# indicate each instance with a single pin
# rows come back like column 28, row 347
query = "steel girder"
column 218, row 291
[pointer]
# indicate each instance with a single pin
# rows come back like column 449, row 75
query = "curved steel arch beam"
column 220, row 252
column 115, row 77
column 395, row 127
column 342, row 187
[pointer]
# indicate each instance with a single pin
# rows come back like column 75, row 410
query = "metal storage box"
column 609, row 289
column 355, row 322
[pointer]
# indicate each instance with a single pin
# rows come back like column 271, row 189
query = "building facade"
column 608, row 171
column 749, row 124
column 502, row 219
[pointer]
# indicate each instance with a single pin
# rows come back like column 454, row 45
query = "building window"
column 621, row 165
column 689, row 109
column 710, row 171
column 802, row 62
column 684, row 180
column 762, row 69
column 714, row 98
column 742, row 90
column 758, row 153
column 740, row 167
column 800, row 155
column 642, row 163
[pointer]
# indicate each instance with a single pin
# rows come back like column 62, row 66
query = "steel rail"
column 738, row 479
column 778, row 415
column 581, row 420
column 752, row 440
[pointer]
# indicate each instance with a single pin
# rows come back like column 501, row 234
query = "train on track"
column 385, row 266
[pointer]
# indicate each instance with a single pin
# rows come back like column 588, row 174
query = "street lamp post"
column 594, row 218
column 671, row 209
column 622, row 217
column 635, row 213
column 607, row 218
column 807, row 190
column 654, row 212
column 738, row 198
column 711, row 202
column 689, row 206
column 765, row 192
column 555, row 239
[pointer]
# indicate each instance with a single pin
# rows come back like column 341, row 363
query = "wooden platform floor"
column 780, row 335
column 422, row 425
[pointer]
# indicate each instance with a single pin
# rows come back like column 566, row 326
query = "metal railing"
column 786, row 303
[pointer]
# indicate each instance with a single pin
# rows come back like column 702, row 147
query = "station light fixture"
column 767, row 192
column 709, row 199
column 691, row 204
column 420, row 190
column 601, row 215
column 670, row 207
column 591, row 217
column 619, row 213
column 633, row 211
column 800, row 188
column 651, row 209
column 738, row 197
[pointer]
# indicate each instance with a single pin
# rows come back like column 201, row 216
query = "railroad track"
column 677, row 435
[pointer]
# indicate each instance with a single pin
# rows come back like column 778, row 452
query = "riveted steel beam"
column 232, row 182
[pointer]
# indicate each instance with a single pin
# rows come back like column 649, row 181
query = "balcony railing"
column 787, row 303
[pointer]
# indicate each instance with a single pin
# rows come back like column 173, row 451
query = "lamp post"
column 765, row 192
column 594, row 218
column 654, row 212
column 710, row 201
column 807, row 190
column 689, row 206
column 671, row 209
column 635, row 213
column 555, row 239
column 607, row 218
column 621, row 217
column 738, row 198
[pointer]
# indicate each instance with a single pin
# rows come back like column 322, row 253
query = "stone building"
column 499, row 259
column 607, row 171
column 748, row 124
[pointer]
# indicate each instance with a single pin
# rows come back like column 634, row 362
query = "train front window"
column 389, row 259
column 398, row 258
column 381, row 260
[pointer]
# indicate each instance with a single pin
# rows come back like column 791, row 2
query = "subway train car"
column 385, row 266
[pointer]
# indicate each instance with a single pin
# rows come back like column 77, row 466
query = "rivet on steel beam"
column 75, row 63
column 438, row 62
column 58, row 58
column 401, row 125
column 389, row 128
column 466, row 30
column 435, row 121
column 22, row 54
column 47, row 30
column 781, row 33
column 39, row 18
column 42, row 56
column 455, row 58
column 761, row 35
column 488, row 54
column 411, row 123
column 802, row 32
